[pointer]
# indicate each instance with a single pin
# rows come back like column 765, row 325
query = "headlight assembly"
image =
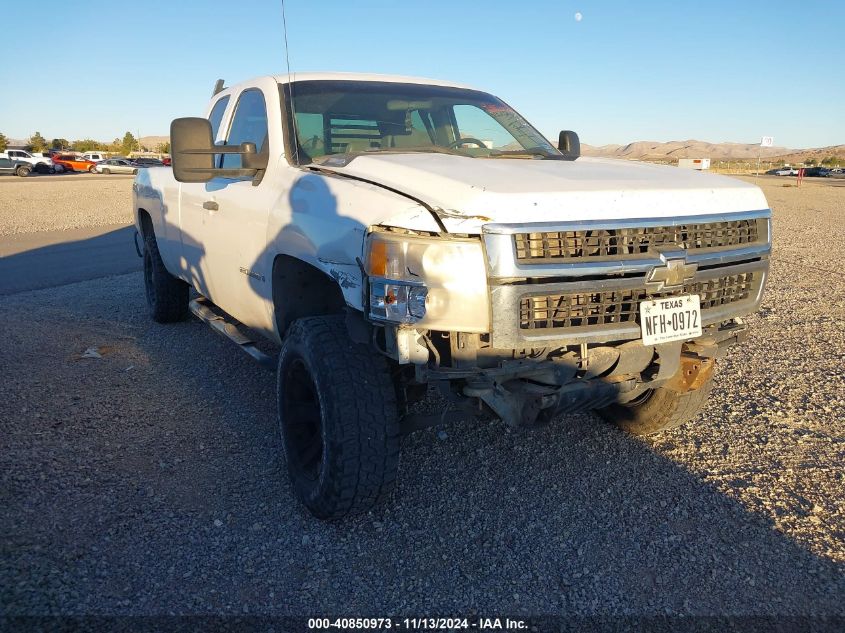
column 434, row 283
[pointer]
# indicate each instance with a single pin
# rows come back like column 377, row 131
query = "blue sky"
column 715, row 70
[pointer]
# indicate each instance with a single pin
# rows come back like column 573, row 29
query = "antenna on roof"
column 290, row 89
column 218, row 87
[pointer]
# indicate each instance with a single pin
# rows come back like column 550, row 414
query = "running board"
column 201, row 307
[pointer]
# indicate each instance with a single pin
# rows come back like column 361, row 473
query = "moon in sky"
column 578, row 16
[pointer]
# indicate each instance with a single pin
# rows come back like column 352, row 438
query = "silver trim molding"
column 503, row 264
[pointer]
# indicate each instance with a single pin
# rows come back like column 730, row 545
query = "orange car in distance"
column 69, row 162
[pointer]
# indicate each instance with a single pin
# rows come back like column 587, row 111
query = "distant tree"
column 37, row 142
column 128, row 143
column 163, row 148
column 88, row 145
column 59, row 143
column 830, row 161
column 4, row 142
column 810, row 162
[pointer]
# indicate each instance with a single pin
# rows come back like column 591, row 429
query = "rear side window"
column 249, row 125
column 216, row 115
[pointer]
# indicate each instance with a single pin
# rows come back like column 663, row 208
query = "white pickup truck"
column 392, row 234
column 41, row 164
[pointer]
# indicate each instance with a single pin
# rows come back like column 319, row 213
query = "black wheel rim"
column 302, row 417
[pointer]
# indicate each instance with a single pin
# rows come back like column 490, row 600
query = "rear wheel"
column 657, row 410
column 339, row 418
column 23, row 171
column 106, row 171
column 167, row 296
column 93, row 169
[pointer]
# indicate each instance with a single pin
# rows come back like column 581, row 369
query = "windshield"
column 349, row 118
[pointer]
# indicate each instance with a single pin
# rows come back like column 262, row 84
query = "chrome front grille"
column 582, row 281
column 621, row 306
column 610, row 243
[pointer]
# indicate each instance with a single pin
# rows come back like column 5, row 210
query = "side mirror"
column 192, row 152
column 569, row 144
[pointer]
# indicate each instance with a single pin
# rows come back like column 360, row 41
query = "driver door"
column 233, row 215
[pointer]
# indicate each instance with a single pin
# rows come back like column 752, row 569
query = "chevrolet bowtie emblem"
column 671, row 276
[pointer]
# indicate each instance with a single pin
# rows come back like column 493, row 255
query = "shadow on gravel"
column 163, row 489
column 69, row 261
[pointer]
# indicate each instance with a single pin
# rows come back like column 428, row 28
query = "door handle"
column 210, row 205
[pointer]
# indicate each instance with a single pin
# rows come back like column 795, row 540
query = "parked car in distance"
column 143, row 161
column 786, row 171
column 70, row 162
column 166, row 161
column 836, row 172
column 816, row 172
column 10, row 167
column 116, row 166
column 95, row 156
column 40, row 164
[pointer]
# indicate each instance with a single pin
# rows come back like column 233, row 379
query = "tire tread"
column 167, row 296
column 663, row 411
column 360, row 417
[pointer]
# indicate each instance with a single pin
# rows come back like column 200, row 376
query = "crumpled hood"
column 467, row 193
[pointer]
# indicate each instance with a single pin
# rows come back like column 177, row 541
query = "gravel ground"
column 151, row 481
column 58, row 203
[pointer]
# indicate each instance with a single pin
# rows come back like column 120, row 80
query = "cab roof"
column 335, row 76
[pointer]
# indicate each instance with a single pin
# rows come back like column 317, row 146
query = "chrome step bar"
column 201, row 307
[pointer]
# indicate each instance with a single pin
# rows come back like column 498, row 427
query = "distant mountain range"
column 673, row 150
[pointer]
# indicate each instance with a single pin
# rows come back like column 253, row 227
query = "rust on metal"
column 694, row 372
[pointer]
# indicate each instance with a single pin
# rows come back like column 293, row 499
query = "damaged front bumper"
column 527, row 391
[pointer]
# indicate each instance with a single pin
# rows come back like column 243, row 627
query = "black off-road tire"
column 339, row 418
column 167, row 296
column 657, row 410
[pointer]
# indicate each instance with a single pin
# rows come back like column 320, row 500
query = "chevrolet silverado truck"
column 394, row 234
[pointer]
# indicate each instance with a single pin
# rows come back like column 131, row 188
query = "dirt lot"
column 150, row 480
column 56, row 203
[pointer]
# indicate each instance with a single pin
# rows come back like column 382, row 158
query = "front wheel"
column 339, row 418
column 93, row 169
column 23, row 171
column 657, row 410
column 106, row 171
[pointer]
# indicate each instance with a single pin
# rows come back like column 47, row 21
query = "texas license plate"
column 671, row 319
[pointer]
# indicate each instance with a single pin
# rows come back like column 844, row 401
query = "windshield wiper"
column 419, row 149
column 531, row 151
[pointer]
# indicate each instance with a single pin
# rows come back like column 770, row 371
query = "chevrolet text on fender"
column 393, row 233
